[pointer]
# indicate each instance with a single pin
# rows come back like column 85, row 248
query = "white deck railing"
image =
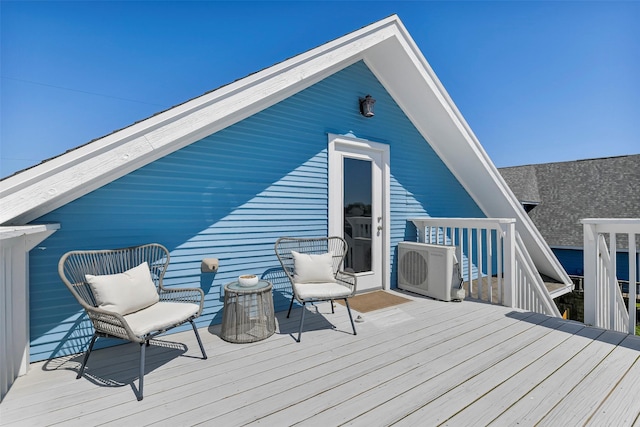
column 530, row 290
column 604, row 305
column 496, row 265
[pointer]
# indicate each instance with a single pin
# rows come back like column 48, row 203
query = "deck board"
column 622, row 406
column 424, row 362
column 479, row 386
column 604, row 377
column 438, row 375
column 367, row 373
column 534, row 406
column 527, row 378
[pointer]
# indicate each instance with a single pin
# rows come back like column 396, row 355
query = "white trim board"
column 335, row 187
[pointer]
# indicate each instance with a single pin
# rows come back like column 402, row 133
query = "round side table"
column 248, row 312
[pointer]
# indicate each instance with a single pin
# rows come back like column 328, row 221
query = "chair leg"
column 301, row 321
column 86, row 355
column 332, row 309
column 346, row 302
column 290, row 305
column 204, row 355
column 141, row 380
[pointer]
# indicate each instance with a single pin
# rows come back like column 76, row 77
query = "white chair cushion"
column 328, row 290
column 160, row 316
column 125, row 292
column 310, row 268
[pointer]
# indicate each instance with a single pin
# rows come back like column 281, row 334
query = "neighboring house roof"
column 570, row 191
column 388, row 51
column 522, row 181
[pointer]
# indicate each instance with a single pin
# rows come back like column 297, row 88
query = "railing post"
column 632, row 283
column 590, row 261
column 611, row 281
column 509, row 247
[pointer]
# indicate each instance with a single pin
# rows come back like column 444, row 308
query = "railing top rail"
column 614, row 225
column 492, row 223
column 485, row 220
column 610, row 220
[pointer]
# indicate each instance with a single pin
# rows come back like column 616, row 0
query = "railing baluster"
column 500, row 272
column 470, row 260
column 489, row 240
column 479, row 263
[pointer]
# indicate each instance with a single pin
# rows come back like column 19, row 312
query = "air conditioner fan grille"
column 413, row 268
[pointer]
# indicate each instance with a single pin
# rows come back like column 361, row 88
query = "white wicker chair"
column 173, row 307
column 312, row 287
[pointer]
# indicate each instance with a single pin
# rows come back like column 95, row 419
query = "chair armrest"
column 347, row 279
column 111, row 323
column 193, row 295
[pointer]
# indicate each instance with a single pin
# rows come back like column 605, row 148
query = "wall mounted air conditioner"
column 430, row 270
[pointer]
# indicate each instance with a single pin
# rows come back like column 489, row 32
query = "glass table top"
column 235, row 286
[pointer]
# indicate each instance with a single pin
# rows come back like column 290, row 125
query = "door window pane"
column 357, row 214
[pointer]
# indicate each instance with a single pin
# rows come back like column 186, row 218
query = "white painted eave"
column 32, row 234
column 387, row 49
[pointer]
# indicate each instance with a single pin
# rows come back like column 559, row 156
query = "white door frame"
column 338, row 145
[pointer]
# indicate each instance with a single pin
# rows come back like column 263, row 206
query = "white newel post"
column 590, row 261
column 612, row 280
column 509, row 247
column 632, row 283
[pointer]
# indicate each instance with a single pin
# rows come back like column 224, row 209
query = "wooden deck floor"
column 420, row 363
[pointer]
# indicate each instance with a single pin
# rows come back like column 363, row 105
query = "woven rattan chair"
column 119, row 304
column 313, row 265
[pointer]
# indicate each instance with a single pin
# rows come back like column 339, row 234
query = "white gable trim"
column 387, row 49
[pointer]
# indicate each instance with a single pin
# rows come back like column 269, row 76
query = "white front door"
column 359, row 206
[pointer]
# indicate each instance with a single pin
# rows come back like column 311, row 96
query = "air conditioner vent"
column 413, row 269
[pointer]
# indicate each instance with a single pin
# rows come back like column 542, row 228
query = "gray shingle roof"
column 523, row 182
column 569, row 191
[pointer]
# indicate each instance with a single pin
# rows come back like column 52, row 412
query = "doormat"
column 371, row 301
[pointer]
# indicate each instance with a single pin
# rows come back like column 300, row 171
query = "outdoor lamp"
column 366, row 106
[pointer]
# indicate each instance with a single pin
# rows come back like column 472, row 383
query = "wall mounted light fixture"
column 366, row 106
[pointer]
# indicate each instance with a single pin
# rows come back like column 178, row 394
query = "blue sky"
column 537, row 81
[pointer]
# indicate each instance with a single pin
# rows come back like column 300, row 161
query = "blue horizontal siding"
column 572, row 261
column 232, row 194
